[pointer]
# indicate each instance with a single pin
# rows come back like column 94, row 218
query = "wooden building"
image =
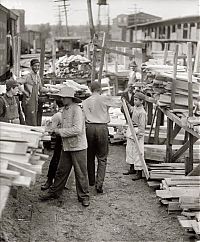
column 175, row 30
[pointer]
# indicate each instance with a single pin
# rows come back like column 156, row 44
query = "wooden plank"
column 157, row 128
column 22, row 171
column 109, row 50
column 177, row 193
column 3, row 197
column 113, row 43
column 13, row 147
column 196, row 226
column 146, row 172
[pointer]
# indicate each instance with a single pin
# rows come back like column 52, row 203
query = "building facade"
column 176, row 30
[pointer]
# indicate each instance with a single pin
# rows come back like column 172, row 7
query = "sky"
column 46, row 11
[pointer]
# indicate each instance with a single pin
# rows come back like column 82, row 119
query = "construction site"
column 133, row 85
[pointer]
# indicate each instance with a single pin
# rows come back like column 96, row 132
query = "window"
column 173, row 28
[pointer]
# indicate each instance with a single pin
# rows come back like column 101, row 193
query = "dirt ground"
column 126, row 211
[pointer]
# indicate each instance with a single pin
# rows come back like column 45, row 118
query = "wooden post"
column 91, row 23
column 172, row 105
column 54, row 55
column 165, row 53
column 130, row 123
column 152, row 123
column 15, row 55
column 197, row 59
column 102, row 57
column 18, row 55
column 42, row 56
column 157, row 128
column 116, row 62
column 189, row 162
column 94, row 59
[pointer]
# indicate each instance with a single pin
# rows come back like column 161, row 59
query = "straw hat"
column 68, row 92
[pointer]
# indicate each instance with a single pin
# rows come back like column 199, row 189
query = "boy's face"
column 15, row 91
column 36, row 67
column 137, row 102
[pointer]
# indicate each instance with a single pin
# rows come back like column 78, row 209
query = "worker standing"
column 134, row 75
column 73, row 152
column 10, row 109
column 97, row 117
column 139, row 119
column 32, row 88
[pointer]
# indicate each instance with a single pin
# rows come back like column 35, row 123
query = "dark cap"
column 11, row 83
column 34, row 61
column 95, row 86
column 139, row 95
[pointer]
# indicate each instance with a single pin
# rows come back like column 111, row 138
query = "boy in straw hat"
column 139, row 118
column 74, row 149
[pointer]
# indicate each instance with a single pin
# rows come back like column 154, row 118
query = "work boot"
column 48, row 196
column 47, row 184
column 131, row 171
column 138, row 175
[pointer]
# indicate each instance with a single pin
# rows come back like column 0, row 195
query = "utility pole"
column 65, row 11
column 91, row 23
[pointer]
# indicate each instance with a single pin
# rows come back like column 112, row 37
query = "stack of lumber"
column 163, row 83
column 165, row 170
column 158, row 152
column 183, row 194
column 21, row 157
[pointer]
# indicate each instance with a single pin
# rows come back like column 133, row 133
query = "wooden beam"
column 94, row 59
column 182, row 149
column 157, row 128
column 172, row 105
column 113, row 43
column 177, row 120
column 130, row 123
column 152, row 123
column 176, row 130
column 109, row 50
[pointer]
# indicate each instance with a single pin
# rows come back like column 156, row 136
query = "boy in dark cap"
column 32, row 87
column 10, row 109
column 139, row 118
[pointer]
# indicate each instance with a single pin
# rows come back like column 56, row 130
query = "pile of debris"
column 72, row 67
column 21, row 154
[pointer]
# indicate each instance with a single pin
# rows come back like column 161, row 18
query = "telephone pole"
column 65, row 11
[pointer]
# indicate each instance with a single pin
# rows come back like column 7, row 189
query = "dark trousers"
column 77, row 159
column 55, row 158
column 97, row 138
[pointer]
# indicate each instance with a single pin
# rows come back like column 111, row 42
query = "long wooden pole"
column 102, row 57
column 165, row 53
column 189, row 162
column 130, row 123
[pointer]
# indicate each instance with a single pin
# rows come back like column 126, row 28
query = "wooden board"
column 13, row 147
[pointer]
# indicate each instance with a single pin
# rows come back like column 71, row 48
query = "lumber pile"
column 182, row 194
column 158, row 152
column 73, row 66
column 21, row 157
